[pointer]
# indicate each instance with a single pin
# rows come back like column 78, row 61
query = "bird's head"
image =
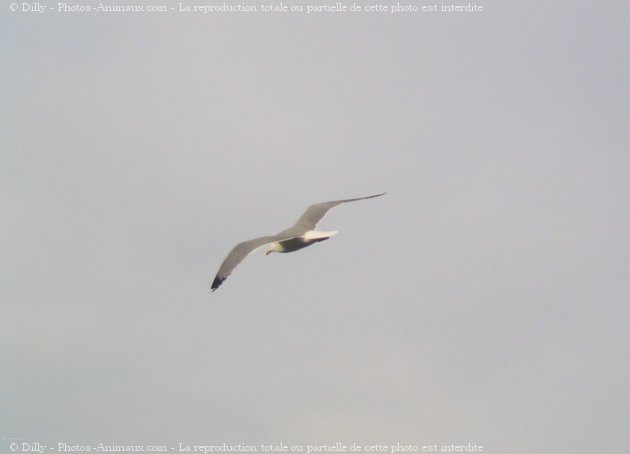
column 274, row 247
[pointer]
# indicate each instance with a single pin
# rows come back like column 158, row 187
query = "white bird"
column 294, row 238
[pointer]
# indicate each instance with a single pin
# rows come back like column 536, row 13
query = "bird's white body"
column 294, row 244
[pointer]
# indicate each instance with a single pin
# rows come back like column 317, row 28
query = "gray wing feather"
column 236, row 256
column 315, row 212
column 242, row 250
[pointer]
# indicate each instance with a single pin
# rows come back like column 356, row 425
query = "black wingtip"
column 218, row 280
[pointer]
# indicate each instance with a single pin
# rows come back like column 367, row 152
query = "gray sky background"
column 484, row 299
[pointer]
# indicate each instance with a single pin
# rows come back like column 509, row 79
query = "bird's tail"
column 315, row 235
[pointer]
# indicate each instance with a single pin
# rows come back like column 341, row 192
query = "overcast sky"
column 483, row 300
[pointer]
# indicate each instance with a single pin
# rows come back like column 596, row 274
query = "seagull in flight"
column 300, row 235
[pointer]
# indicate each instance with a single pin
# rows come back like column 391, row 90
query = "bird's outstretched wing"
column 236, row 256
column 315, row 212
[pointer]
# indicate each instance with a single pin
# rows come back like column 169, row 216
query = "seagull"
column 301, row 235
